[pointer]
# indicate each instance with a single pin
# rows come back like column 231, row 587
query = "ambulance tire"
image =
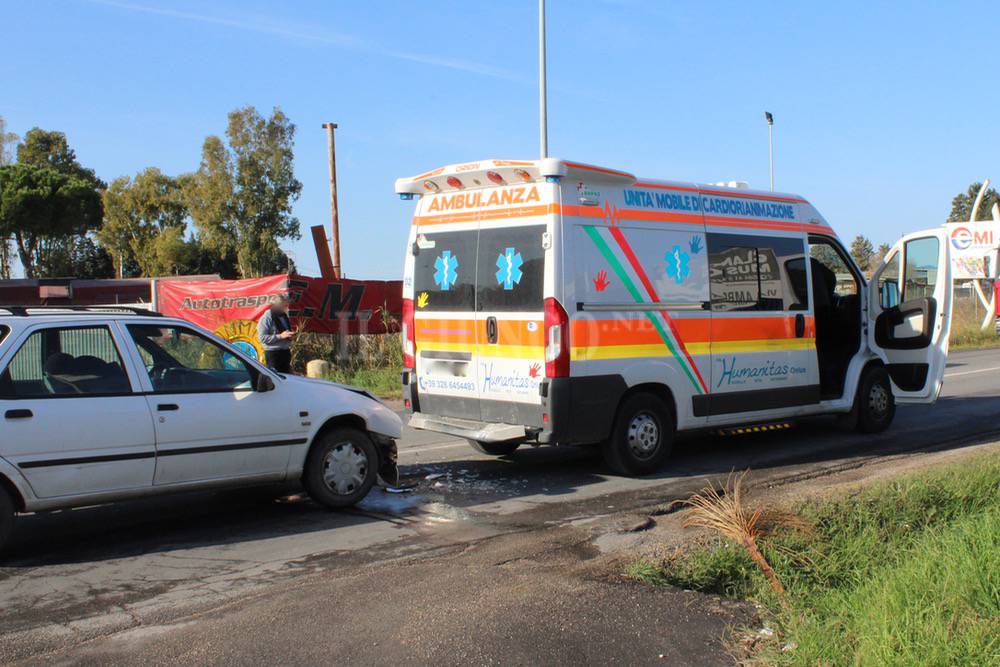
column 642, row 437
column 6, row 518
column 494, row 448
column 875, row 405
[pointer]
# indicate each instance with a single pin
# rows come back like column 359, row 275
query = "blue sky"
column 883, row 111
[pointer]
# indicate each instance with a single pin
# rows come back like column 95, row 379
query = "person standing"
column 275, row 332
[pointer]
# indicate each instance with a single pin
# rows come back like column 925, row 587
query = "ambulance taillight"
column 556, row 340
column 407, row 335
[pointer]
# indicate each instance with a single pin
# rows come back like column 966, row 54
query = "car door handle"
column 19, row 414
column 168, row 407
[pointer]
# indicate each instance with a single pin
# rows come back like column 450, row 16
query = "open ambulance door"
column 909, row 314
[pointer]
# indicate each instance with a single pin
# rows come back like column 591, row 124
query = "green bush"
column 903, row 573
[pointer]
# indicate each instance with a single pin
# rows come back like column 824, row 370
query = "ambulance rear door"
column 444, row 299
column 510, row 318
column 909, row 314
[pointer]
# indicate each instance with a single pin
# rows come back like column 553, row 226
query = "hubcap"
column 878, row 400
column 344, row 468
column 643, row 435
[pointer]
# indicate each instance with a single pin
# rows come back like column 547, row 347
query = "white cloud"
column 340, row 40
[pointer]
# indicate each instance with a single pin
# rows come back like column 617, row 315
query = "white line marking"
column 981, row 370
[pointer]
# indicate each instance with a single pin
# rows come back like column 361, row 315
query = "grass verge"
column 902, row 573
column 966, row 331
column 384, row 382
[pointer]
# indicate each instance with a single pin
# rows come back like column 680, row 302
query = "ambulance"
column 555, row 302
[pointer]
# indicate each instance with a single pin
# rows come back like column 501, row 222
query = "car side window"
column 178, row 359
column 66, row 361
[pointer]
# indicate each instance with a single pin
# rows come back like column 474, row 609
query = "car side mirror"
column 264, row 382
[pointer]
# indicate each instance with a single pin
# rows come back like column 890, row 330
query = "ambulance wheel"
column 642, row 437
column 494, row 448
column 6, row 518
column 875, row 405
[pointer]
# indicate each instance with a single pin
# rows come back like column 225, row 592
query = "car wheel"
column 495, row 448
column 642, row 437
column 875, row 405
column 341, row 467
column 6, row 518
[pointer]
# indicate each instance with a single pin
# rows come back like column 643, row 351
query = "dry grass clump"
column 726, row 513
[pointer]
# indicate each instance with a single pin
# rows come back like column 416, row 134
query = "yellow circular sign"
column 243, row 334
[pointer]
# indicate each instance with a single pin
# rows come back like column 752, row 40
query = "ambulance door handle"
column 800, row 325
column 491, row 329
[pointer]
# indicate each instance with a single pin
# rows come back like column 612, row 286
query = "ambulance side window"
column 757, row 273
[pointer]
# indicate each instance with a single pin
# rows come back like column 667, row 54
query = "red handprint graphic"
column 601, row 282
column 533, row 370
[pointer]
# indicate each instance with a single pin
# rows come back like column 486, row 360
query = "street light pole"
column 770, row 145
column 542, row 102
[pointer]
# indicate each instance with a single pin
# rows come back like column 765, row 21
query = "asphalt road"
column 148, row 566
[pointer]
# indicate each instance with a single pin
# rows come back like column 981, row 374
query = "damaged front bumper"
column 388, row 455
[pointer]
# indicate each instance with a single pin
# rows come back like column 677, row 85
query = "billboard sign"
column 974, row 249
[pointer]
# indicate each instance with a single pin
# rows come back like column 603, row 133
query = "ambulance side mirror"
column 889, row 294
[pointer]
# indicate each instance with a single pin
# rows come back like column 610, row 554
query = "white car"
column 104, row 404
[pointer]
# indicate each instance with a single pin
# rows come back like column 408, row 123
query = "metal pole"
column 770, row 152
column 542, row 103
column 334, row 217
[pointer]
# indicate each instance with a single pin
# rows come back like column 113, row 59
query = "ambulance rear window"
column 511, row 269
column 444, row 271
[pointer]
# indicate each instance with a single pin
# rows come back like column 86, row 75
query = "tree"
column 862, row 252
column 75, row 256
column 6, row 139
column 6, row 157
column 44, row 148
column 242, row 194
column 961, row 205
column 58, row 255
column 144, row 223
column 880, row 254
column 38, row 204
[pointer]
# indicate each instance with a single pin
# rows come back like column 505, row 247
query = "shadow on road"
column 228, row 518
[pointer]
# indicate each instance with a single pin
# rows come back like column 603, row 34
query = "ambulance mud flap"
column 581, row 409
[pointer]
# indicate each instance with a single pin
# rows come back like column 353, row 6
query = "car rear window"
column 3, row 332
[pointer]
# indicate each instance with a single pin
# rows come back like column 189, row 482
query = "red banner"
column 348, row 307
